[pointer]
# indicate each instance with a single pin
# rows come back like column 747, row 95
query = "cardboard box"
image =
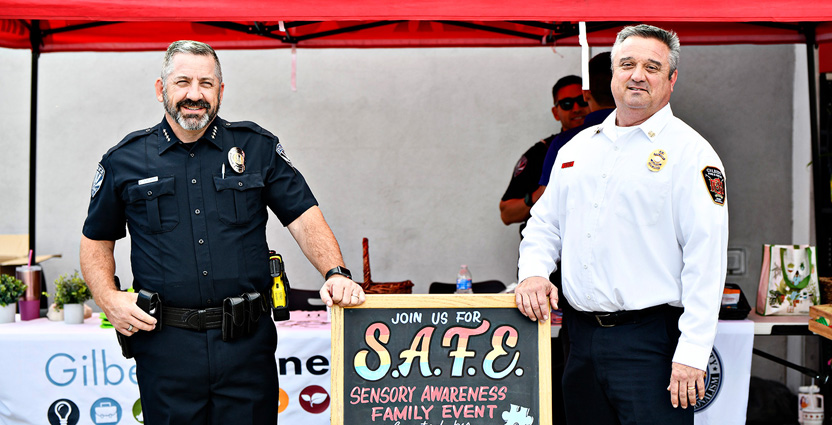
column 14, row 251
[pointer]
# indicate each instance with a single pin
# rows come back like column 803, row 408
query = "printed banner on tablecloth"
column 83, row 381
column 75, row 374
column 303, row 365
column 57, row 374
column 727, row 377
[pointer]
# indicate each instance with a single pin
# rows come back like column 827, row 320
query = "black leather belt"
column 196, row 319
column 624, row 317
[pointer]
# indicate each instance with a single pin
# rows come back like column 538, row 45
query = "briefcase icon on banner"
column 106, row 413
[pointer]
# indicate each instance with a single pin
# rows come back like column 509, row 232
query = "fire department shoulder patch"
column 715, row 183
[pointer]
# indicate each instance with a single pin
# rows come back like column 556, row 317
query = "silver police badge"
column 97, row 181
column 237, row 159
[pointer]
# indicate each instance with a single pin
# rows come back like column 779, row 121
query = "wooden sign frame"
column 413, row 301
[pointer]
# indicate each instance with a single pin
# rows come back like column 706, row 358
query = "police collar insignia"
column 97, row 180
column 280, row 151
column 237, row 159
column 715, row 182
column 656, row 161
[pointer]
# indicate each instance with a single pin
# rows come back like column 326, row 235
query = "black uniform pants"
column 619, row 375
column 194, row 378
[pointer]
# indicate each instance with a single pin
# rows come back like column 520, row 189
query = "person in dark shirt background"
column 601, row 103
column 570, row 109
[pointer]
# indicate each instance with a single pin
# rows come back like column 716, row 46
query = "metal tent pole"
column 35, row 38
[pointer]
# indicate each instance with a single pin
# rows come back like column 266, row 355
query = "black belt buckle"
column 199, row 316
column 600, row 319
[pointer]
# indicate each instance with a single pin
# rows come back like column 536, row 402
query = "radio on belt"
column 280, row 287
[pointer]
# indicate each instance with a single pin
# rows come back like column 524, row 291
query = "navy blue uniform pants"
column 619, row 375
column 191, row 377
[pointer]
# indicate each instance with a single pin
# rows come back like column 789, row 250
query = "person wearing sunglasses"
column 601, row 104
column 570, row 110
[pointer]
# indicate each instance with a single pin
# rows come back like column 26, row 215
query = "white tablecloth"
column 43, row 362
column 729, row 373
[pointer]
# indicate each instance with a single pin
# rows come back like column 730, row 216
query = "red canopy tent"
column 128, row 25
column 136, row 25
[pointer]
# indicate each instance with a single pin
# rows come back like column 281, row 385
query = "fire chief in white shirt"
column 636, row 212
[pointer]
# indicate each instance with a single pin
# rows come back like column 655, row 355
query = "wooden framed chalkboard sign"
column 439, row 360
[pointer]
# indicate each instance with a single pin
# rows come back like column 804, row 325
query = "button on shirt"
column 631, row 236
column 196, row 235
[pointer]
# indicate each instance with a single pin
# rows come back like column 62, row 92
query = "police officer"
column 193, row 191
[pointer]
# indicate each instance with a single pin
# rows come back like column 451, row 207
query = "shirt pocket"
column 642, row 195
column 152, row 207
column 238, row 197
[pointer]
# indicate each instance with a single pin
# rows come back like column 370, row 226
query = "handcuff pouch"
column 254, row 308
column 233, row 318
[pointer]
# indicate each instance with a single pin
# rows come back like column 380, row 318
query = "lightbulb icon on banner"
column 63, row 418
column 63, row 412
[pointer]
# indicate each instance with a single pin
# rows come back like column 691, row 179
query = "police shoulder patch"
column 715, row 183
column 280, row 151
column 97, row 180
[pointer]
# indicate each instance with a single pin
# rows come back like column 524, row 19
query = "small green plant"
column 70, row 289
column 11, row 290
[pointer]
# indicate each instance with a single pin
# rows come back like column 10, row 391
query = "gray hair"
column 669, row 38
column 193, row 48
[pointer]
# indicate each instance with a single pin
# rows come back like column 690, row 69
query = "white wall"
column 411, row 148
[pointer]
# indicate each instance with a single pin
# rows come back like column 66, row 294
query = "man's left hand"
column 686, row 383
column 342, row 291
column 535, row 296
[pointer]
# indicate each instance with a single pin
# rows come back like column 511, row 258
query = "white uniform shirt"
column 641, row 219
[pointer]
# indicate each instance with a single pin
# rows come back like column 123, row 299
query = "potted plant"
column 70, row 293
column 11, row 290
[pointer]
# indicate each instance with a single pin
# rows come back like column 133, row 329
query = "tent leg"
column 35, row 38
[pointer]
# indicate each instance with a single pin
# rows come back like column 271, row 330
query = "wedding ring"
column 130, row 328
column 355, row 296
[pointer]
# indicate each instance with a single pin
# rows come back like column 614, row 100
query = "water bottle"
column 463, row 281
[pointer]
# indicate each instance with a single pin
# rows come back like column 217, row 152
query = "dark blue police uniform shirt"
column 196, row 237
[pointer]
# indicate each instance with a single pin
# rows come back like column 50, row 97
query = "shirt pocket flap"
column 150, row 191
column 239, row 183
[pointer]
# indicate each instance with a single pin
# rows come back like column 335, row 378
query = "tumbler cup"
column 30, row 303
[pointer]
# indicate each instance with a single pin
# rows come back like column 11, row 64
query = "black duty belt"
column 624, row 317
column 195, row 319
